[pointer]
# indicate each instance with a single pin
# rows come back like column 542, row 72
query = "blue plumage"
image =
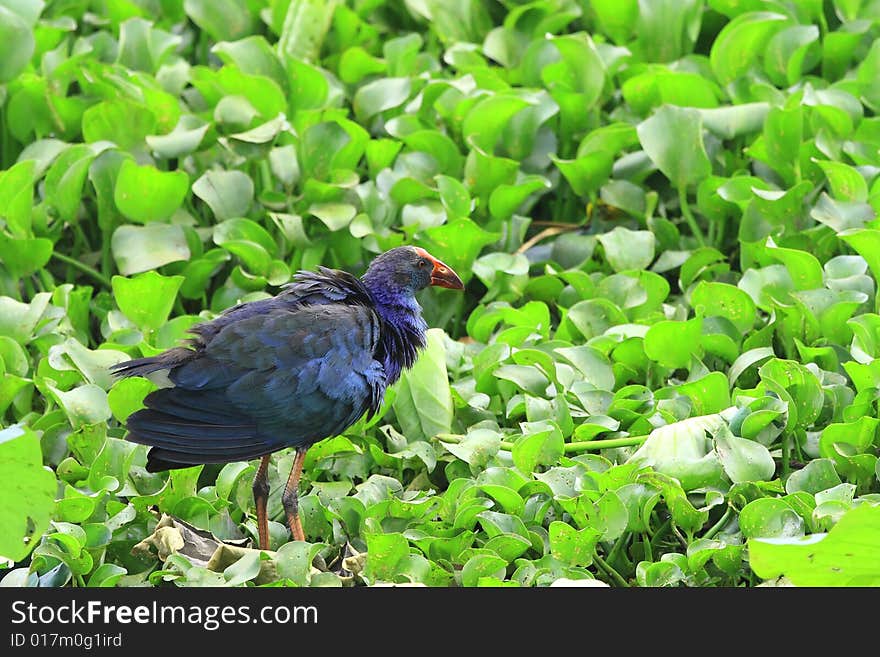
column 286, row 371
column 290, row 370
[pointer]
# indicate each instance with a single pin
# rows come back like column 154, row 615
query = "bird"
column 286, row 371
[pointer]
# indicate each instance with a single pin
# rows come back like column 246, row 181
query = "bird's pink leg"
column 261, row 497
column 290, row 500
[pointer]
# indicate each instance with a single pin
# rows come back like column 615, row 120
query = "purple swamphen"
column 286, row 371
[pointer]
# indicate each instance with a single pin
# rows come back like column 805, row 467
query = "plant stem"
column 84, row 268
column 583, row 446
column 718, row 526
column 595, row 445
column 661, row 531
column 609, row 571
column 618, row 546
column 689, row 216
column 646, row 546
column 786, row 456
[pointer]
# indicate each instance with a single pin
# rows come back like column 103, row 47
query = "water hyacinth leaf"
column 711, row 299
column 123, row 122
column 651, row 89
column 93, row 364
column 16, row 44
column 146, row 299
column 380, row 95
column 303, row 29
column 293, row 561
column 816, row 476
column 23, row 477
column 17, row 197
column 742, row 41
column 140, row 248
column 423, row 403
column 334, row 215
column 543, row 447
column 252, row 55
column 144, row 194
column 673, row 139
column 573, row 546
column 673, row 344
column 667, row 29
column 735, row 121
column 846, row 183
column 832, row 559
column 65, row 179
column 224, row 20
column 770, row 518
column 142, row 46
column 227, row 193
column 585, row 174
column 127, row 396
column 482, row 565
column 684, row 451
column 743, row 460
column 476, row 448
column 86, row 404
column 628, row 249
column 23, row 257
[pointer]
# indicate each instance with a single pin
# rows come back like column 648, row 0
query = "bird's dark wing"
column 287, row 377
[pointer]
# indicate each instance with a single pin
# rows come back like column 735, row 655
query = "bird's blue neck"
column 403, row 333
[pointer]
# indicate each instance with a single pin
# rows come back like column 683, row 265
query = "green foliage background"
column 664, row 369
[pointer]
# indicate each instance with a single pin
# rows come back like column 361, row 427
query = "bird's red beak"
column 442, row 274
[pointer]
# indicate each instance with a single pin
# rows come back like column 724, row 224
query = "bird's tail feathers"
column 143, row 366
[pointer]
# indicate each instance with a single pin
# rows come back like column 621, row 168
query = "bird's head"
column 408, row 269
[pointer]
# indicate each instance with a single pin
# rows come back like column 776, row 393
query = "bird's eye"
column 423, row 263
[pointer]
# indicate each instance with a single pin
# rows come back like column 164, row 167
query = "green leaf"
column 585, row 174
column 86, row 404
column 743, row 460
column 673, row 139
column 572, row 546
column 628, row 249
column 306, row 23
column 293, row 561
column 123, row 122
column 147, row 298
column 144, row 47
column 65, row 180
column 16, row 44
column 682, row 450
column 184, row 139
column 140, row 248
column 817, row 475
column 674, row 344
column 380, row 95
column 223, row 20
column 227, row 193
column 544, row 447
column 742, row 41
column 243, row 570
column 710, row 299
column 423, row 404
column 770, row 518
column 17, row 197
column 847, row 184
column 127, row 396
column 482, row 565
column 385, row 554
column 23, row 257
column 334, row 215
column 838, row 558
column 29, row 490
column 144, row 194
